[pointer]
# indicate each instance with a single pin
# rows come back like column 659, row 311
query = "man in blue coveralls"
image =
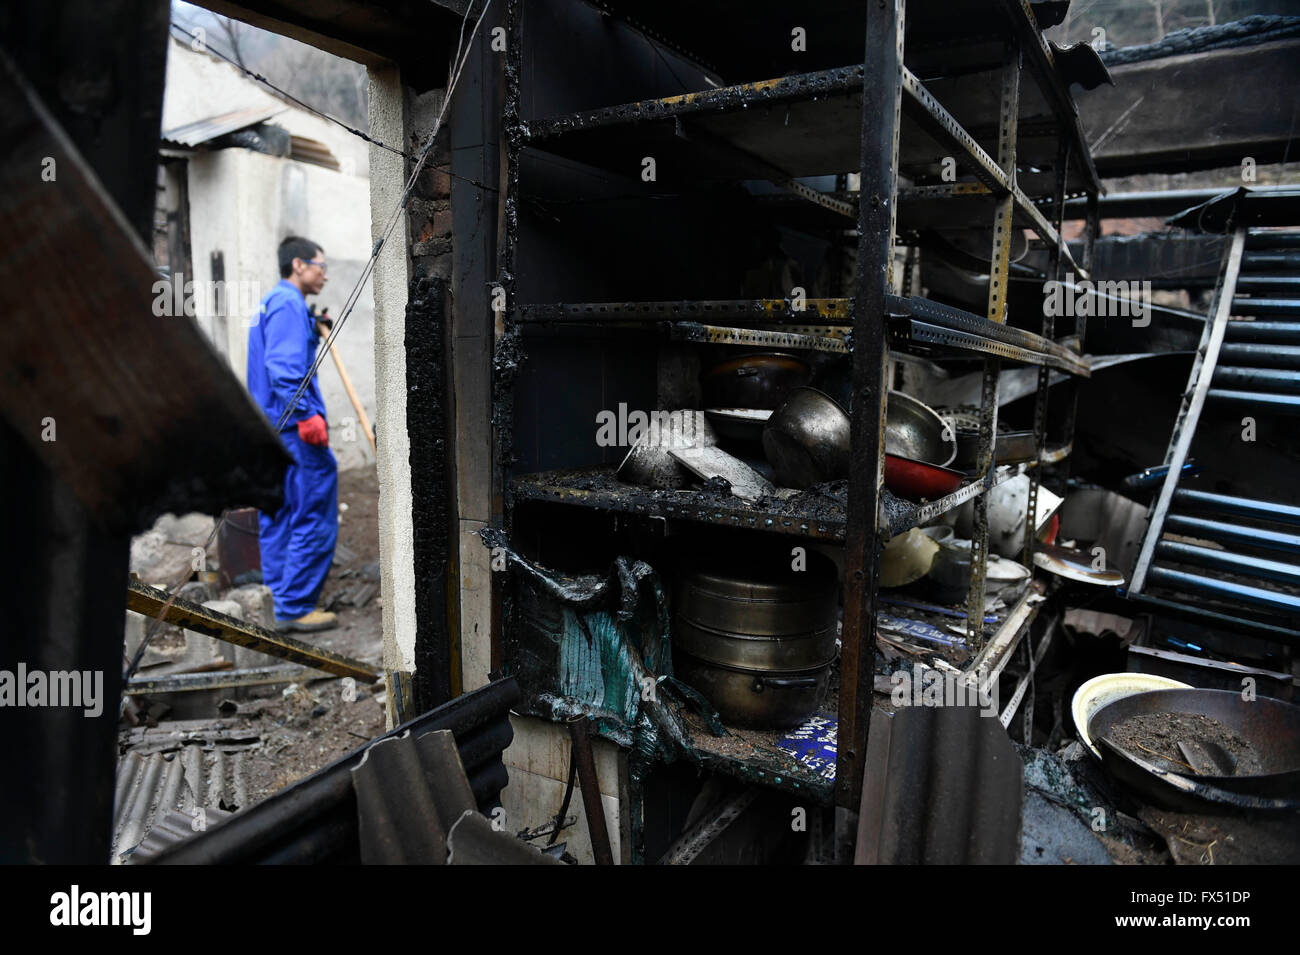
column 298, row 540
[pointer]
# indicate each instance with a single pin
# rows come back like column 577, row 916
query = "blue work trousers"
column 298, row 541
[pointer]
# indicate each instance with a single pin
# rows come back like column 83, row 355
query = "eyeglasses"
column 320, row 265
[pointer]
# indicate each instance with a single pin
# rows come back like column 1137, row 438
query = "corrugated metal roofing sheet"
column 316, row 819
column 943, row 785
column 149, row 787
column 206, row 130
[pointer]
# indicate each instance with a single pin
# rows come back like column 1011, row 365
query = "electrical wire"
column 207, row 46
column 287, row 95
column 458, row 66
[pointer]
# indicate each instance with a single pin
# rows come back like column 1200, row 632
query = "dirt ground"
column 304, row 727
column 314, row 725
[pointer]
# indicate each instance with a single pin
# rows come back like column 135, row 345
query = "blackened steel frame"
column 881, row 106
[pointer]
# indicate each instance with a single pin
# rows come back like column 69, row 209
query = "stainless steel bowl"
column 807, row 439
column 914, row 430
column 649, row 462
column 652, row 466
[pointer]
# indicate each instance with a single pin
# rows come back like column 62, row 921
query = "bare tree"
column 1159, row 7
column 235, row 33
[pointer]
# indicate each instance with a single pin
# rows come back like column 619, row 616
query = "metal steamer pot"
column 758, row 641
column 755, row 700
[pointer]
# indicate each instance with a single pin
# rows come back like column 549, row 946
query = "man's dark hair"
column 296, row 247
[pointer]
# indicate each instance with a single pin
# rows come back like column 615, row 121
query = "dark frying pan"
column 1271, row 726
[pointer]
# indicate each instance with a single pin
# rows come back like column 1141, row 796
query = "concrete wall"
column 392, row 274
column 201, row 86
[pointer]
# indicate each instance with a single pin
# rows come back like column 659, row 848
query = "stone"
column 256, row 602
column 191, row 529
column 196, row 591
column 258, row 608
column 164, row 554
column 199, row 647
column 134, row 632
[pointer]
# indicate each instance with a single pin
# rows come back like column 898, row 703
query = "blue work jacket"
column 281, row 347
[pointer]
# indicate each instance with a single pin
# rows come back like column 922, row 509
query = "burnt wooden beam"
column 435, row 529
column 56, row 806
column 109, row 414
column 99, row 68
column 132, row 409
column 152, row 602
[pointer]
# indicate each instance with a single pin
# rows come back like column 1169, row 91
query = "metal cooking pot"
column 762, row 624
column 771, row 700
column 807, row 439
column 1010, row 447
column 1271, row 726
column 757, row 626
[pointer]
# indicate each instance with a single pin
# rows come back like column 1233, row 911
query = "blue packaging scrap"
column 813, row 744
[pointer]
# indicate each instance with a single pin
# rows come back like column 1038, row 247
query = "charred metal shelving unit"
column 946, row 81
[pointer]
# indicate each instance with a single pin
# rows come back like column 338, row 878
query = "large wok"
column 1271, row 726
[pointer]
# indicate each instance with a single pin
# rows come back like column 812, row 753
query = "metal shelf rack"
column 948, row 84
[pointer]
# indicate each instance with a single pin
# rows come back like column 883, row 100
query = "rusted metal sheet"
column 205, row 130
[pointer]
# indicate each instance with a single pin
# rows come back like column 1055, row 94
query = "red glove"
column 313, row 430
